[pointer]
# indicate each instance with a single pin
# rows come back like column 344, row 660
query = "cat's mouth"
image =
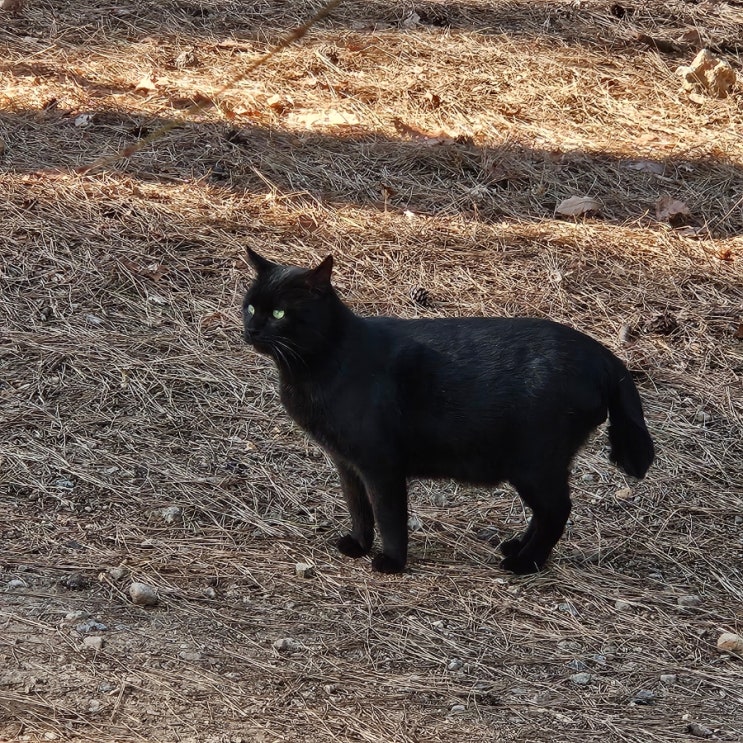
column 261, row 345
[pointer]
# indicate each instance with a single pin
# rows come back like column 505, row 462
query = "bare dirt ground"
column 426, row 146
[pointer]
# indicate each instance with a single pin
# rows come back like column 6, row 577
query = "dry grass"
column 125, row 389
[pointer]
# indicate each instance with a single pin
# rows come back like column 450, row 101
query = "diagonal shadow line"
column 366, row 169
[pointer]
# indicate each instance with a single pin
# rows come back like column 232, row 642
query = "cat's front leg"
column 359, row 541
column 388, row 494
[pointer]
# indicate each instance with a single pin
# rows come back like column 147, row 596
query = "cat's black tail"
column 631, row 446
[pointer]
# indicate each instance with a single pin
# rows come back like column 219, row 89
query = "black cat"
column 480, row 400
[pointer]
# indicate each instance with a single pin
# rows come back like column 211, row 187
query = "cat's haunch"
column 479, row 400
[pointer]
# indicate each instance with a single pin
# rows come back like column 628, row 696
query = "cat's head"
column 289, row 312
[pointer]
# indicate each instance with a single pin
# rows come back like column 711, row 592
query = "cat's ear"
column 260, row 264
column 319, row 278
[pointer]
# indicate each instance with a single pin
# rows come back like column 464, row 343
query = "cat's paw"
column 520, row 564
column 351, row 547
column 511, row 547
column 384, row 564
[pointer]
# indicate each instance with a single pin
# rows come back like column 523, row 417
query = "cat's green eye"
column 278, row 314
column 251, row 309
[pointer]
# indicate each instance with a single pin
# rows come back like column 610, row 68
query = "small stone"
column 210, row 593
column 414, row 523
column 304, row 570
column 105, row 686
column 143, row 595
column 599, row 660
column 49, row 735
column 690, row 601
column 644, row 696
column 330, row 688
column 729, row 642
column 287, row 644
column 576, row 665
column 568, row 608
column 699, row 731
column 171, row 514
column 119, row 572
column 624, row 494
column 703, row 417
column 76, row 616
column 668, row 678
column 17, row 583
column 454, row 664
column 93, row 642
column 94, row 706
column 457, row 708
column 738, row 520
column 581, row 679
column 91, row 625
column 489, row 534
column 189, row 655
column 622, row 605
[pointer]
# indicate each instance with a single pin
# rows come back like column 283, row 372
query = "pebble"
column 304, row 570
column 189, row 655
column 17, row 583
column 489, row 534
column 454, row 664
column 568, row 608
column 91, row 625
column 288, row 644
column 457, row 708
column 171, row 514
column 690, row 601
column 729, row 642
column 644, row 696
column 415, row 524
column 94, row 642
column 738, row 520
column 75, row 616
column 624, row 494
column 581, row 679
column 622, row 605
column 210, row 593
column 668, row 678
column 49, row 735
column 119, row 572
column 94, row 706
column 576, row 665
column 143, row 595
column 700, row 731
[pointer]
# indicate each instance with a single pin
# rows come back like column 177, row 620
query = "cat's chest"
column 308, row 408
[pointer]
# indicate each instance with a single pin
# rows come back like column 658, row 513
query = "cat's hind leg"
column 359, row 542
column 549, row 500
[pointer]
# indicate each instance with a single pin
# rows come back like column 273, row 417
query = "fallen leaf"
column 418, row 134
column 738, row 335
column 329, row 118
column 145, row 85
column 696, row 98
column 668, row 209
column 279, row 103
column 647, row 166
column 577, row 206
column 83, row 120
